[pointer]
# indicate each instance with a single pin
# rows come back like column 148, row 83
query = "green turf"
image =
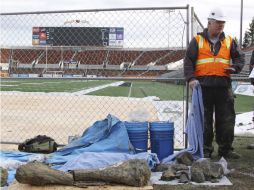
column 111, row 91
column 140, row 89
column 50, row 85
column 244, row 103
column 165, row 91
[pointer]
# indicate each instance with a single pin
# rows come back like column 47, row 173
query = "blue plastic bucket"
column 162, row 138
column 138, row 135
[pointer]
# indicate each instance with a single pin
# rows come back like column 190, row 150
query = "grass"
column 244, row 103
column 50, row 85
column 140, row 89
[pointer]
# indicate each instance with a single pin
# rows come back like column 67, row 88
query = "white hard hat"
column 217, row 14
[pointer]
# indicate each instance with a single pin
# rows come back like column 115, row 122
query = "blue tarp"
column 194, row 127
column 16, row 155
column 108, row 135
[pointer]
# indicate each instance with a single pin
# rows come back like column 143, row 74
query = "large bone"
column 36, row 173
column 132, row 172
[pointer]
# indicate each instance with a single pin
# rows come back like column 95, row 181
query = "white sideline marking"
column 82, row 92
column 129, row 95
column 7, row 85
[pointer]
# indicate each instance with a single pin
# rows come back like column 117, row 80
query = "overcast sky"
column 231, row 8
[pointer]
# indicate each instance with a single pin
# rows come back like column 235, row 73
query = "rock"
column 216, row 170
column 250, row 146
column 4, row 177
column 178, row 167
column 168, row 175
column 204, row 166
column 131, row 172
column 184, row 178
column 214, row 181
column 37, row 173
column 197, row 175
column 162, row 167
column 180, row 172
column 185, row 158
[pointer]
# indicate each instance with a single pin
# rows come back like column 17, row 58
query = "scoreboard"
column 78, row 36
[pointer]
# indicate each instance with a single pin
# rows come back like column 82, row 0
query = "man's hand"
column 192, row 83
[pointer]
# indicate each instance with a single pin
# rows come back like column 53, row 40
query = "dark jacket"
column 237, row 58
column 252, row 66
column 252, row 61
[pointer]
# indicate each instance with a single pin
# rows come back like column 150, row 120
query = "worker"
column 207, row 61
column 252, row 68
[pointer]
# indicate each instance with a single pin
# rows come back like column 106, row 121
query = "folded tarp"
column 109, row 134
column 194, row 127
column 93, row 160
column 16, row 155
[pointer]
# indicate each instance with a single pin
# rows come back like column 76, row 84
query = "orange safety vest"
column 209, row 65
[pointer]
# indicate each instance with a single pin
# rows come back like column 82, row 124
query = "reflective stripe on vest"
column 228, row 41
column 209, row 65
column 203, row 61
column 201, row 41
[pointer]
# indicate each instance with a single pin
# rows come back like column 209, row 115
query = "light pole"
column 241, row 23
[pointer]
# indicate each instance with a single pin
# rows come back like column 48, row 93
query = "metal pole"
column 188, row 26
column 46, row 58
column 168, row 26
column 241, row 23
column 187, row 85
column 192, row 22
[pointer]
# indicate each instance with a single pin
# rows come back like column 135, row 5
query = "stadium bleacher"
column 99, row 62
column 5, row 55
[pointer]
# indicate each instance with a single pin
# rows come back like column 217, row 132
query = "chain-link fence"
column 113, row 42
column 64, row 70
column 56, row 108
column 196, row 25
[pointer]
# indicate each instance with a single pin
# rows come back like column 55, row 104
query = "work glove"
column 230, row 70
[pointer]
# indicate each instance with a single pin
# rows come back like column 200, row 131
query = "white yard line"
column 129, row 95
column 7, row 85
column 86, row 91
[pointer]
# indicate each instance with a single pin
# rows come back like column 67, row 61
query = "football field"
column 61, row 108
column 139, row 89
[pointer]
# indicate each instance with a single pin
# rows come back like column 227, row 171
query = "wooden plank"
column 16, row 185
